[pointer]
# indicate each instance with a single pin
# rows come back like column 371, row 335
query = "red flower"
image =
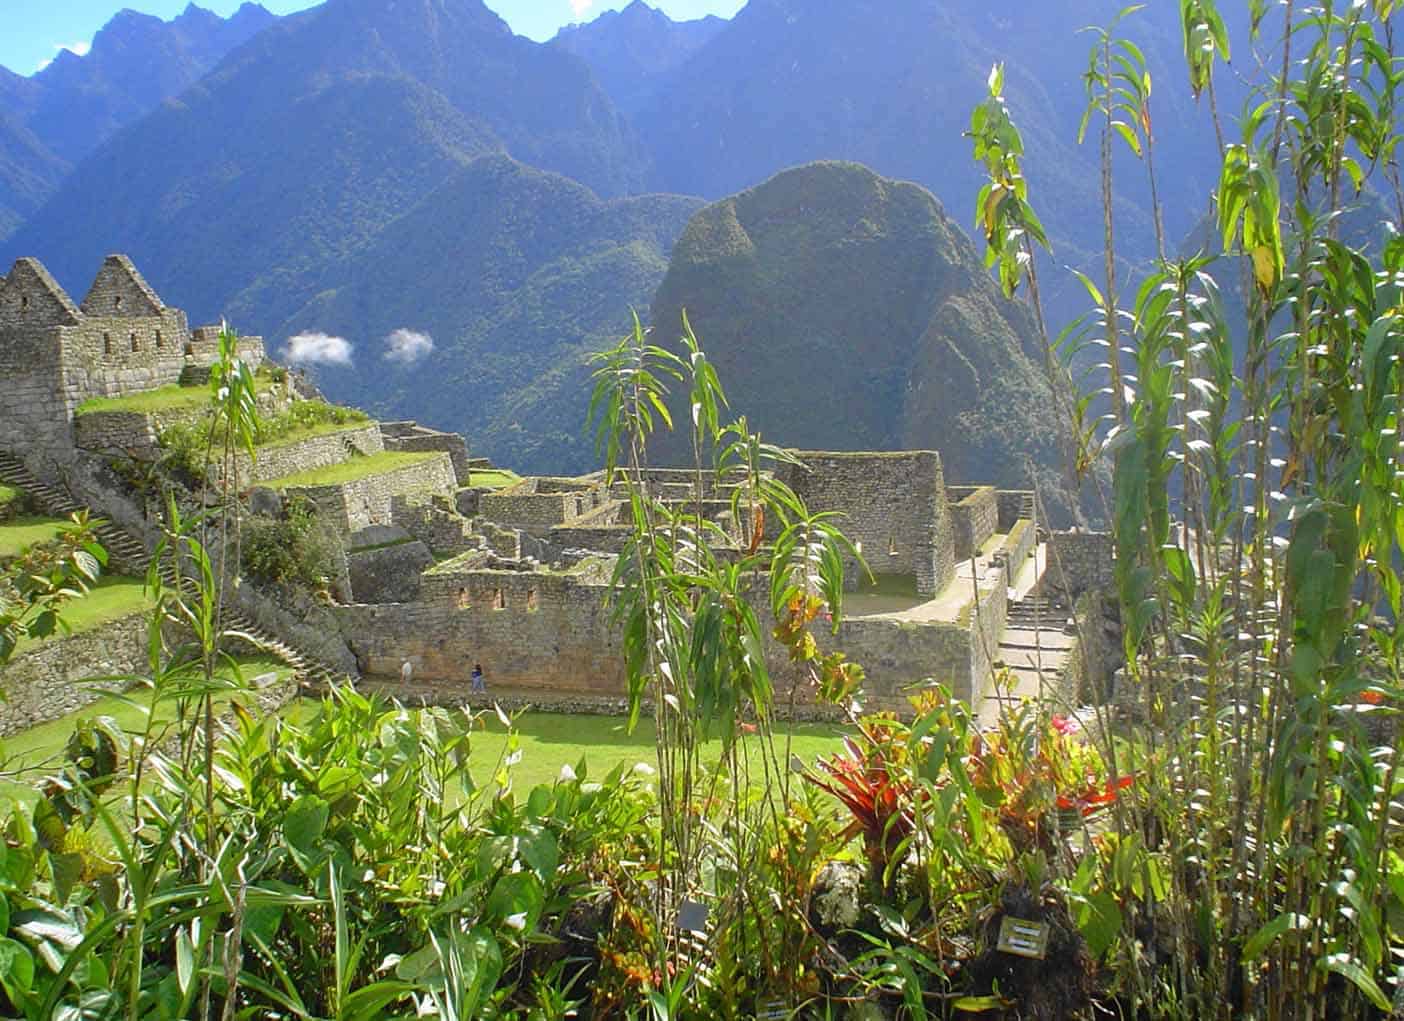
column 1094, row 799
column 1064, row 725
column 1372, row 697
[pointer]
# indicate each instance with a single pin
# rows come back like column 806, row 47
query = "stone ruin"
column 444, row 574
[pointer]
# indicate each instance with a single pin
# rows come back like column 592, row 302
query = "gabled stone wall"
column 894, row 504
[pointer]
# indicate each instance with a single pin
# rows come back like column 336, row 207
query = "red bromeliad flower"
column 1094, row 798
column 879, row 802
column 1064, row 725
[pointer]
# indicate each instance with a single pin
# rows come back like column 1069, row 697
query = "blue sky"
column 36, row 29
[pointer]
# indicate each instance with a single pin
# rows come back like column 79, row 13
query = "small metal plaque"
column 1023, row 938
column 692, row 917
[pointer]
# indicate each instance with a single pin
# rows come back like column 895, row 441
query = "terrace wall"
column 360, row 503
column 48, row 681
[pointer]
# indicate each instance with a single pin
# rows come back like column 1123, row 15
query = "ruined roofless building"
column 54, row 354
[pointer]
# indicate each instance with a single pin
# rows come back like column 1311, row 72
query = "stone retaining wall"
column 47, row 682
column 277, row 460
column 352, row 506
column 415, row 438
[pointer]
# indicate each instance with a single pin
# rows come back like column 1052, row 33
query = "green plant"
column 297, row 548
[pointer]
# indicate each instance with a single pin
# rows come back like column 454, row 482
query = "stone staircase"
column 1034, row 648
column 130, row 556
column 1026, row 506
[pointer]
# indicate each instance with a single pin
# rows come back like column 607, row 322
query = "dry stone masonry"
column 445, row 576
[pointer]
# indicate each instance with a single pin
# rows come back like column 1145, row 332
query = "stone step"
column 131, row 553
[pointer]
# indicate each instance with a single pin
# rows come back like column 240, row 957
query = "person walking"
column 406, row 673
column 479, row 685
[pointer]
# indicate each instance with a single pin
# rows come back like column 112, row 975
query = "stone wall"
column 388, row 574
column 974, row 518
column 47, row 682
column 540, row 504
column 1080, row 562
column 415, row 438
column 434, row 521
column 278, row 460
column 894, row 504
column 360, row 503
column 1013, row 505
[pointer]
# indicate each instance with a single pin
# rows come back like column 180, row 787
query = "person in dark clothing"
column 478, row 683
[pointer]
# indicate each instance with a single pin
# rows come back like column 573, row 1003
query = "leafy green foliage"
column 295, row 549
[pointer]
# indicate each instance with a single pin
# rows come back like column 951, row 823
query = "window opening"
column 499, row 601
column 136, row 344
column 106, row 343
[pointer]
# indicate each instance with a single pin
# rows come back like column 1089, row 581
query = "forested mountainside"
column 516, row 275
column 313, row 136
column 267, row 190
column 847, row 311
column 50, row 121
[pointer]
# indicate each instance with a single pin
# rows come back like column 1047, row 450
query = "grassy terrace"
column 172, row 397
column 356, row 468
column 34, row 748
column 499, row 479
column 547, row 741
column 18, row 535
column 111, row 599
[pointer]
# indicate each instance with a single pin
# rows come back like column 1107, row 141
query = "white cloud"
column 407, row 346
column 318, row 349
column 580, row 7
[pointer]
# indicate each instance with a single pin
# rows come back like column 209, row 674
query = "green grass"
column 308, row 431
column 34, row 748
column 547, row 741
column 172, row 397
column 550, row 741
column 111, row 599
column 350, row 471
column 18, row 535
column 500, row 479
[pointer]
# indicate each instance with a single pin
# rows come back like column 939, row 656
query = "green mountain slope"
column 52, row 119
column 313, row 136
column 517, row 275
column 847, row 311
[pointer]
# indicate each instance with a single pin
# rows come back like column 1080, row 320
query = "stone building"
column 55, row 354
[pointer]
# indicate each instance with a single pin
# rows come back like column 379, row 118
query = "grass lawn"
column 111, row 598
column 172, row 397
column 308, row 431
column 350, row 471
column 18, row 535
column 547, row 741
column 34, row 747
column 500, row 479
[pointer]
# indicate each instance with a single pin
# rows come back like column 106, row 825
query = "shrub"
column 297, row 548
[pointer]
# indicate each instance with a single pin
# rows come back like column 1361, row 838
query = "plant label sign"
column 692, row 917
column 1023, row 938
